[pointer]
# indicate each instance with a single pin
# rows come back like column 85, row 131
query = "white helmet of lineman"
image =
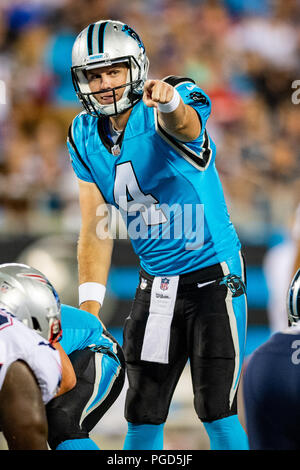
column 28, row 295
column 293, row 300
column 102, row 44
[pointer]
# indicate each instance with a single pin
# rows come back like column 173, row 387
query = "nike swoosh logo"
column 190, row 87
column 204, row 284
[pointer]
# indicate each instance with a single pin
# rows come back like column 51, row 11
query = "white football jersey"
column 18, row 342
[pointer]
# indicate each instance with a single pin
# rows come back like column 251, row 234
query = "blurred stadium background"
column 245, row 55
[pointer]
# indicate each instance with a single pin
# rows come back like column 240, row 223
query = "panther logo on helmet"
column 134, row 35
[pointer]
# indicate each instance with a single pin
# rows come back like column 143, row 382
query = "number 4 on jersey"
column 130, row 198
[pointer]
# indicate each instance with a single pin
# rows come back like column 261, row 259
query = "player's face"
column 103, row 79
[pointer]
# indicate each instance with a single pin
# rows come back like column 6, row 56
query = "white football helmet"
column 102, row 44
column 28, row 295
column 293, row 300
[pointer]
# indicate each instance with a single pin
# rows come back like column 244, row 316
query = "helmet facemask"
column 133, row 88
column 103, row 44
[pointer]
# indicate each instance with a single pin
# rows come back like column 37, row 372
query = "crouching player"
column 56, row 382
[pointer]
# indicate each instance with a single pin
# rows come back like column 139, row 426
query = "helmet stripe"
column 101, row 36
column 95, row 38
column 90, row 39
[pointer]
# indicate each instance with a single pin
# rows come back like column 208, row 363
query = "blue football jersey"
column 80, row 330
column 167, row 191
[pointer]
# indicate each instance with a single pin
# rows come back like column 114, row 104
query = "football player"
column 280, row 264
column 272, row 383
column 42, row 350
column 142, row 146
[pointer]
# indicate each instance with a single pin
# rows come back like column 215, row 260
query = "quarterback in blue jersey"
column 142, row 147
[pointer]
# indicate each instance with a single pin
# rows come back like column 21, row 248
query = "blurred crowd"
column 243, row 53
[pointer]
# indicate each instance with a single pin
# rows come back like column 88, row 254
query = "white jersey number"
column 130, row 198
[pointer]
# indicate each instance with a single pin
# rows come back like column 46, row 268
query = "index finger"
column 149, row 84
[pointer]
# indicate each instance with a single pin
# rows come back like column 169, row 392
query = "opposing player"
column 94, row 365
column 280, row 264
column 33, row 366
column 272, row 384
column 142, row 146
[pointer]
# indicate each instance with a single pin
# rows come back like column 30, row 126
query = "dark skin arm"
column 22, row 412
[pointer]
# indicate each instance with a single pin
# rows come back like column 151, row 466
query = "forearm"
column 177, row 118
column 94, row 260
column 68, row 375
column 177, row 122
column 94, row 257
column 183, row 123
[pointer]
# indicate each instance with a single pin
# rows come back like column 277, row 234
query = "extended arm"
column 94, row 253
column 183, row 122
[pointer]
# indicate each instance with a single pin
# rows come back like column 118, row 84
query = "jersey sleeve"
column 80, row 328
column 192, row 95
column 18, row 342
column 75, row 144
column 200, row 151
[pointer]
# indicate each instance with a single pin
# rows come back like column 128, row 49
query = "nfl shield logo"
column 164, row 284
column 115, row 150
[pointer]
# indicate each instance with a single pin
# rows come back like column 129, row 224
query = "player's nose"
column 105, row 82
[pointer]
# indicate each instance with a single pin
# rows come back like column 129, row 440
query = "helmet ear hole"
column 35, row 323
